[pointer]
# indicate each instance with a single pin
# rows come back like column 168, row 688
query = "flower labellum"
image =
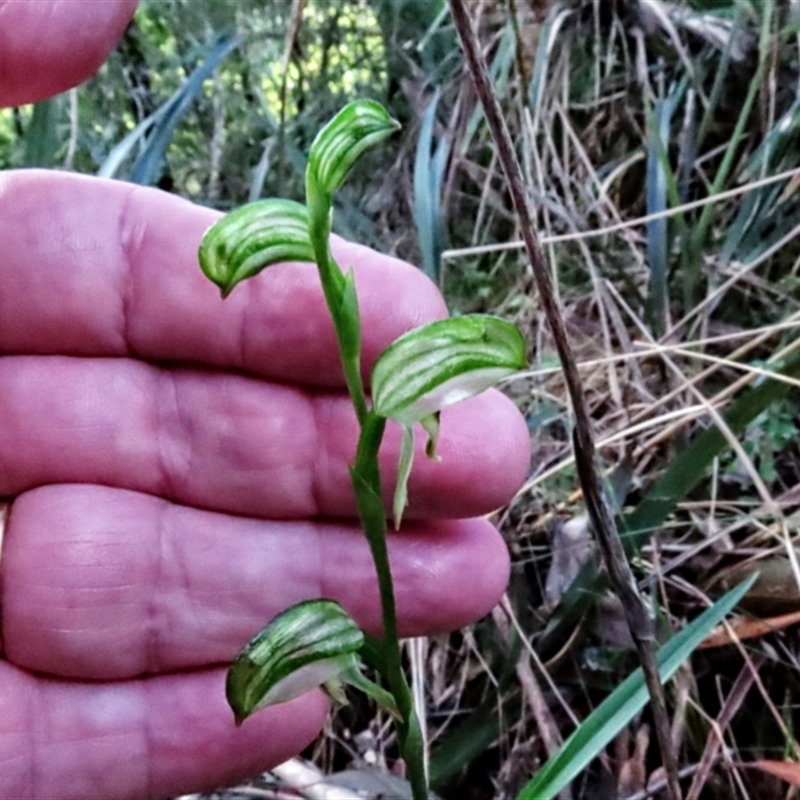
column 442, row 363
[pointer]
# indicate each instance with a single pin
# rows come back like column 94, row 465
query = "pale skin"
column 178, row 468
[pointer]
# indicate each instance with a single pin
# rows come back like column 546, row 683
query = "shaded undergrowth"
column 659, row 143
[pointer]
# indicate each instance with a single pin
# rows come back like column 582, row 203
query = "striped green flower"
column 442, row 363
column 252, row 238
column 309, row 645
column 359, row 126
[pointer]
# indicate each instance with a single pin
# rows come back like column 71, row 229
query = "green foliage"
column 429, row 168
column 764, row 439
column 627, row 700
column 616, row 113
column 421, row 372
column 692, row 464
column 250, row 111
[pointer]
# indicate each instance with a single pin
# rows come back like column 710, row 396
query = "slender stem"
column 335, row 288
column 365, row 474
column 602, row 519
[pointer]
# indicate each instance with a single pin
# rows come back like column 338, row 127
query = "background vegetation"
column 660, row 146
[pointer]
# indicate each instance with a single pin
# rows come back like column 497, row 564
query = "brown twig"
column 603, row 524
column 715, row 739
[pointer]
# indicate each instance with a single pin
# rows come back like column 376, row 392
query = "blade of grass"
column 148, row 166
column 498, row 70
column 720, row 75
column 762, row 219
column 547, row 39
column 428, row 176
column 656, row 197
column 700, row 233
column 120, row 151
column 41, row 138
column 692, row 463
column 619, row 708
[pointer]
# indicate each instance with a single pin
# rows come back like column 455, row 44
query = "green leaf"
column 428, row 179
column 253, row 237
column 41, row 136
column 617, row 710
column 657, row 177
column 442, row 363
column 691, row 463
column 148, row 165
column 359, row 126
column 305, row 646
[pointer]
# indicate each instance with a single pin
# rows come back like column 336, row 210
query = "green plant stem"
column 366, row 478
column 341, row 299
column 335, row 287
column 365, row 474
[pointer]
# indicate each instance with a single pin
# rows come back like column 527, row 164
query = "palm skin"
column 178, row 468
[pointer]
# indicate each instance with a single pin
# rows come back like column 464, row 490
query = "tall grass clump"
column 658, row 149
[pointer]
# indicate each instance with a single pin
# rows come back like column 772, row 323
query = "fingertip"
column 484, row 457
column 458, row 579
column 213, row 750
column 196, row 745
column 176, row 735
column 48, row 46
column 447, row 575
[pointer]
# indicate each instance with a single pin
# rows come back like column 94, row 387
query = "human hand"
column 179, row 469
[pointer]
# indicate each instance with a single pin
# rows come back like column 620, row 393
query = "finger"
column 48, row 46
column 138, row 739
column 104, row 583
column 233, row 443
column 94, row 267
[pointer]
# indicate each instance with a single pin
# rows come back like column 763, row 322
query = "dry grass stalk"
column 604, row 525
